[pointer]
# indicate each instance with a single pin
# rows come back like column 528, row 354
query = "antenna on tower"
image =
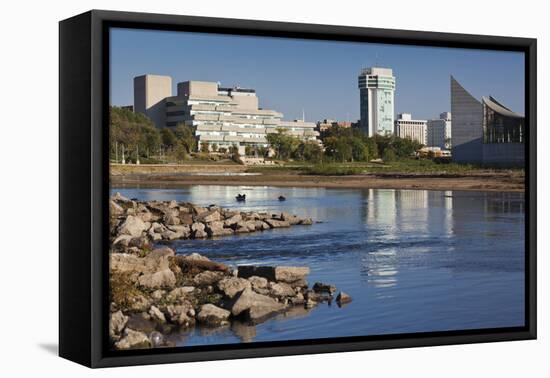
column 303, row 115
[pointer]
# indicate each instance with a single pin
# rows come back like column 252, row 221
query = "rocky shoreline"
column 155, row 292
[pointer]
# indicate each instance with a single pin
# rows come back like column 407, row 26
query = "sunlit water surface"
column 412, row 260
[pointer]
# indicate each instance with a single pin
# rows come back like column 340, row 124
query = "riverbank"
column 155, row 293
column 235, row 175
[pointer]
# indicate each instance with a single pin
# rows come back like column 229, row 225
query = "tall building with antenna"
column 377, row 106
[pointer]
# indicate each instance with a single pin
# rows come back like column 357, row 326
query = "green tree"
column 389, row 155
column 359, row 150
column 204, row 147
column 186, row 136
column 133, row 130
column 180, row 152
column 338, row 149
column 309, row 151
column 283, row 144
column 235, row 155
column 214, row 147
column 168, row 138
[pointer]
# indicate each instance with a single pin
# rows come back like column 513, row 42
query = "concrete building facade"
column 415, row 129
column 485, row 132
column 439, row 131
column 225, row 117
column 150, row 91
column 376, row 94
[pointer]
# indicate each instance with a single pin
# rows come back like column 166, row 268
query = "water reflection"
column 412, row 260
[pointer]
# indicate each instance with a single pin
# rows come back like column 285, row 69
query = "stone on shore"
column 233, row 285
column 233, row 220
column 117, row 322
column 158, row 280
column 287, row 274
column 157, row 315
column 343, row 298
column 207, row 278
column 133, row 226
column 274, row 223
column 248, row 299
column 179, row 294
column 212, row 315
column 209, row 216
column 182, row 231
column 120, row 198
column 115, row 209
column 216, row 229
column 258, row 282
column 181, row 315
column 132, row 340
column 281, row 290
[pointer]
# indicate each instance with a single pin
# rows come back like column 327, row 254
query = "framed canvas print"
column 234, row 188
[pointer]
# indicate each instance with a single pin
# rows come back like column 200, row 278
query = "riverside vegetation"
column 155, row 292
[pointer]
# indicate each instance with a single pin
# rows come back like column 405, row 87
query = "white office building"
column 439, row 132
column 415, row 129
column 376, row 92
column 224, row 116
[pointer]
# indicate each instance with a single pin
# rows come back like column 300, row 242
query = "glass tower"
column 376, row 91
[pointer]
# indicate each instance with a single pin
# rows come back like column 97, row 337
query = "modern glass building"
column 376, row 93
column 485, row 132
column 500, row 124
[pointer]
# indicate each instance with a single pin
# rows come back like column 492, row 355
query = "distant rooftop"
column 377, row 71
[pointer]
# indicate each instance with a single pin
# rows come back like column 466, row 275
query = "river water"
column 412, row 260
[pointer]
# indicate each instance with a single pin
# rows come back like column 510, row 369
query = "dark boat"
column 241, row 197
column 282, row 198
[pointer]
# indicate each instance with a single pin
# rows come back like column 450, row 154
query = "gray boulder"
column 287, row 274
column 232, row 285
column 133, row 226
column 248, row 299
column 209, row 216
column 115, row 209
column 281, row 290
column 181, row 315
column 179, row 294
column 212, row 315
column 156, row 314
column 207, row 278
column 117, row 322
column 216, row 229
column 120, row 198
column 274, row 223
column 258, row 282
column 342, row 298
column 133, row 340
column 158, row 280
column 233, row 220
column 261, row 225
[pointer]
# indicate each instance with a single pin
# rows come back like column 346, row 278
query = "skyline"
column 317, row 77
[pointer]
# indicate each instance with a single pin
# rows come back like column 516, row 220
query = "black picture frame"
column 84, row 186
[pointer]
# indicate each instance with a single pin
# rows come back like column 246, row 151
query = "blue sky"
column 318, row 76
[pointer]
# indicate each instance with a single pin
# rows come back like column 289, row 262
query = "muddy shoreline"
column 506, row 181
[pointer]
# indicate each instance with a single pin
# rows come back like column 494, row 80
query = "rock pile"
column 136, row 224
column 155, row 294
